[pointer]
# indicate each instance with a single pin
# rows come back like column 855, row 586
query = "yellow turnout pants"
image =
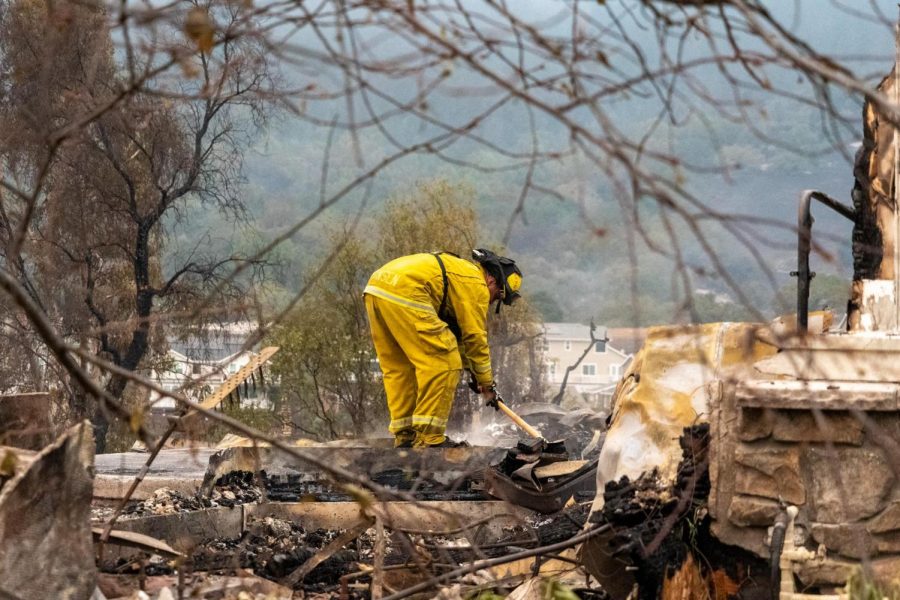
column 421, row 366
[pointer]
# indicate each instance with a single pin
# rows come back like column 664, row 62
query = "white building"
column 600, row 369
column 196, row 365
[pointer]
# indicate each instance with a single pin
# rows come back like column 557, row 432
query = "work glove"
column 489, row 392
column 492, row 396
column 473, row 383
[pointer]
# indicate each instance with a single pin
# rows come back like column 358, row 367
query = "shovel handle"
column 518, row 420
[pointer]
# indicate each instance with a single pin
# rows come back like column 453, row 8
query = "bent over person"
column 427, row 314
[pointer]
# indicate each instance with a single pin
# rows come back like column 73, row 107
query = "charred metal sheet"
column 137, row 540
column 551, row 496
column 44, row 522
column 559, row 469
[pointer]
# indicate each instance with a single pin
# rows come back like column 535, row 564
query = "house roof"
column 629, row 339
column 576, row 332
column 216, row 344
column 572, row 331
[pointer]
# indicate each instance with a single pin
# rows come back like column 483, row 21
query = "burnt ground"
column 273, row 548
column 656, row 527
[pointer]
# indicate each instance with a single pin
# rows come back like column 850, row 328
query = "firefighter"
column 427, row 314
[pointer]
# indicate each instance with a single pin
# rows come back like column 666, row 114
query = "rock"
column 847, row 484
column 277, row 527
column 750, row 511
column 848, row 539
column 888, row 520
column 888, row 543
column 837, row 427
column 755, row 424
column 770, row 472
column 829, row 571
column 885, row 570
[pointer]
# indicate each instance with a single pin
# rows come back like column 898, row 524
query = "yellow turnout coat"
column 419, row 355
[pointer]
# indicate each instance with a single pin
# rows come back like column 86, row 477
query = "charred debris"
column 337, row 556
column 653, row 531
column 270, row 533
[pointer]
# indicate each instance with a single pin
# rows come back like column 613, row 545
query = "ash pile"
column 297, row 488
column 232, row 489
column 269, row 548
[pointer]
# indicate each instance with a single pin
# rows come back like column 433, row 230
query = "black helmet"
column 504, row 270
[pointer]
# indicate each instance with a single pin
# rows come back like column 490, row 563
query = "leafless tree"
column 99, row 162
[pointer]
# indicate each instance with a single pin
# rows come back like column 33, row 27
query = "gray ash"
column 274, row 548
column 237, row 487
column 165, row 501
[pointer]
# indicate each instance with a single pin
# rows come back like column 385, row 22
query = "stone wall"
column 825, row 446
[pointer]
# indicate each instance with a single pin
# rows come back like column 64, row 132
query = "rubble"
column 272, row 540
column 273, row 548
column 241, row 586
column 232, row 489
column 659, row 527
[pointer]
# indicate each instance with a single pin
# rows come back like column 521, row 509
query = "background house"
column 596, row 376
column 198, row 364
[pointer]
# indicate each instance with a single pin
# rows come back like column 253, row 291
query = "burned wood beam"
column 136, row 540
column 325, row 553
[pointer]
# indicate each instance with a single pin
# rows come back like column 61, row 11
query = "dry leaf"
column 199, row 28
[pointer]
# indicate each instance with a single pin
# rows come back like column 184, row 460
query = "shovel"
column 536, row 473
column 500, row 405
column 540, row 444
